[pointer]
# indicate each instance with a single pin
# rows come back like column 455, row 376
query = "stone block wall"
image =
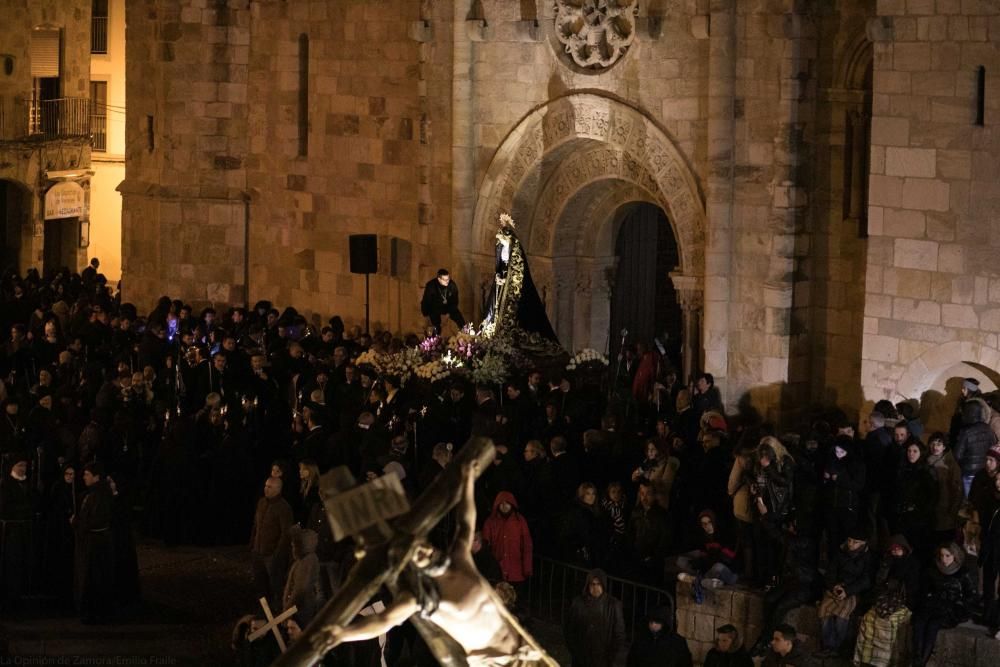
column 697, row 622
column 933, row 286
column 183, row 199
column 364, row 164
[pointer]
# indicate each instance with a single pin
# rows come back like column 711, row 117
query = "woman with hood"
column 771, row 491
column 594, row 628
column 989, row 559
column 659, row 645
column 949, row 492
column 880, row 643
column 506, row 532
column 914, row 497
column 843, row 476
column 948, row 594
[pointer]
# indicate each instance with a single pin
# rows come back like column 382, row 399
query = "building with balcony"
column 45, row 134
column 107, row 126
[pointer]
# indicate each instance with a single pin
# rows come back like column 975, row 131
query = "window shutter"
column 44, row 53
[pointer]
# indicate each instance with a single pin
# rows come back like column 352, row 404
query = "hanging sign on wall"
column 64, row 200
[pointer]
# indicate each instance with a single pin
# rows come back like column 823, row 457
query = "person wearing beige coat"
column 739, row 491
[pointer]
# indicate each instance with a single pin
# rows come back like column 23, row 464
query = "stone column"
column 582, row 303
column 719, row 191
column 561, row 311
column 691, row 297
column 601, row 279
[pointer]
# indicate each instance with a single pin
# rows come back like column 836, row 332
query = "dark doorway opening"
column 644, row 300
column 61, row 240
column 15, row 206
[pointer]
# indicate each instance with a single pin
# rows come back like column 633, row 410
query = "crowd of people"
column 214, row 428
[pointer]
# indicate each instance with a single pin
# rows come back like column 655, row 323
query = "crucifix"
column 456, row 611
column 272, row 624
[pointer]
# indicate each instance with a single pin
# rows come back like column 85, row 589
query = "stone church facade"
column 262, row 133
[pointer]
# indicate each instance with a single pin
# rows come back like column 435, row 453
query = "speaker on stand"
column 364, row 259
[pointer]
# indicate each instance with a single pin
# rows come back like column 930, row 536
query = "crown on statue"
column 506, row 220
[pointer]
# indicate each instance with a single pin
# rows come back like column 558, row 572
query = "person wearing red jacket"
column 506, row 532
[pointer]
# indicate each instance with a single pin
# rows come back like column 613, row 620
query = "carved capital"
column 690, row 291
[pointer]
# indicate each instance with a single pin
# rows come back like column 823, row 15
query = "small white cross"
column 272, row 624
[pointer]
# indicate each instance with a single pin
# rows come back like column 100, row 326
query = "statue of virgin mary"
column 513, row 302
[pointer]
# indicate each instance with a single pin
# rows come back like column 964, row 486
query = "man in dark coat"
column 484, row 418
column 595, row 627
column 441, row 298
column 728, row 650
column 848, row 576
column 974, row 440
column 785, row 650
column 566, row 475
column 659, row 645
column 94, row 583
column 312, row 444
column 271, row 521
column 647, row 535
column 17, row 509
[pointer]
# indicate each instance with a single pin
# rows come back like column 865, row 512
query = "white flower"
column 587, row 356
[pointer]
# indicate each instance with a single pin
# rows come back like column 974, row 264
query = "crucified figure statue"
column 455, row 609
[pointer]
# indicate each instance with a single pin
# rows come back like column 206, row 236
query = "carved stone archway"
column 562, row 172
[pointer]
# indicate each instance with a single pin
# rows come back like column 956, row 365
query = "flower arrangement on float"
column 588, row 359
column 474, row 356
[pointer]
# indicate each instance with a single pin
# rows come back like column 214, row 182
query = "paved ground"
column 192, row 598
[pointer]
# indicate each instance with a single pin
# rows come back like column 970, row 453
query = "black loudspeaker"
column 364, row 253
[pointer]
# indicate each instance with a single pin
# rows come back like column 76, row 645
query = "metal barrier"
column 555, row 583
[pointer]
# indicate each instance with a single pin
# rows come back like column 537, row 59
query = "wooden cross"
column 272, row 624
column 387, row 549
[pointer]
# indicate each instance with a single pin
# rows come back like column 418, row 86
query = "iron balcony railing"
column 44, row 119
column 99, row 34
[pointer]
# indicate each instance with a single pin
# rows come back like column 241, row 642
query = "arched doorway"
column 563, row 173
column 643, row 300
column 15, row 211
